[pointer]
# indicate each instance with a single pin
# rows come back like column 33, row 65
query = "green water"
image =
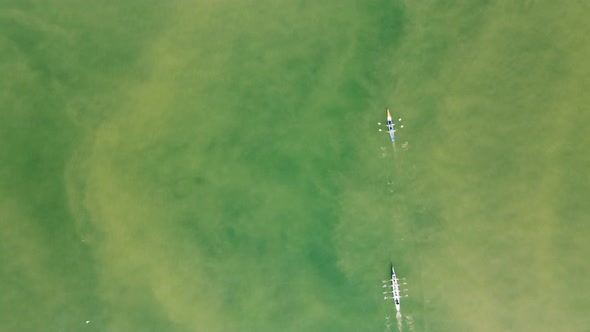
column 216, row 165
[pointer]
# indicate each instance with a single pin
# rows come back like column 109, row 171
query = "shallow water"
column 217, row 166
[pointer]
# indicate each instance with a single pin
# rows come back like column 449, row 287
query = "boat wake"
column 409, row 323
column 398, row 317
column 399, row 321
column 387, row 324
column 389, row 165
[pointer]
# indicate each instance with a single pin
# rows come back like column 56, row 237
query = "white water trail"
column 398, row 317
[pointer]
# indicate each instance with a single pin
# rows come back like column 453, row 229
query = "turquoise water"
column 216, row 166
